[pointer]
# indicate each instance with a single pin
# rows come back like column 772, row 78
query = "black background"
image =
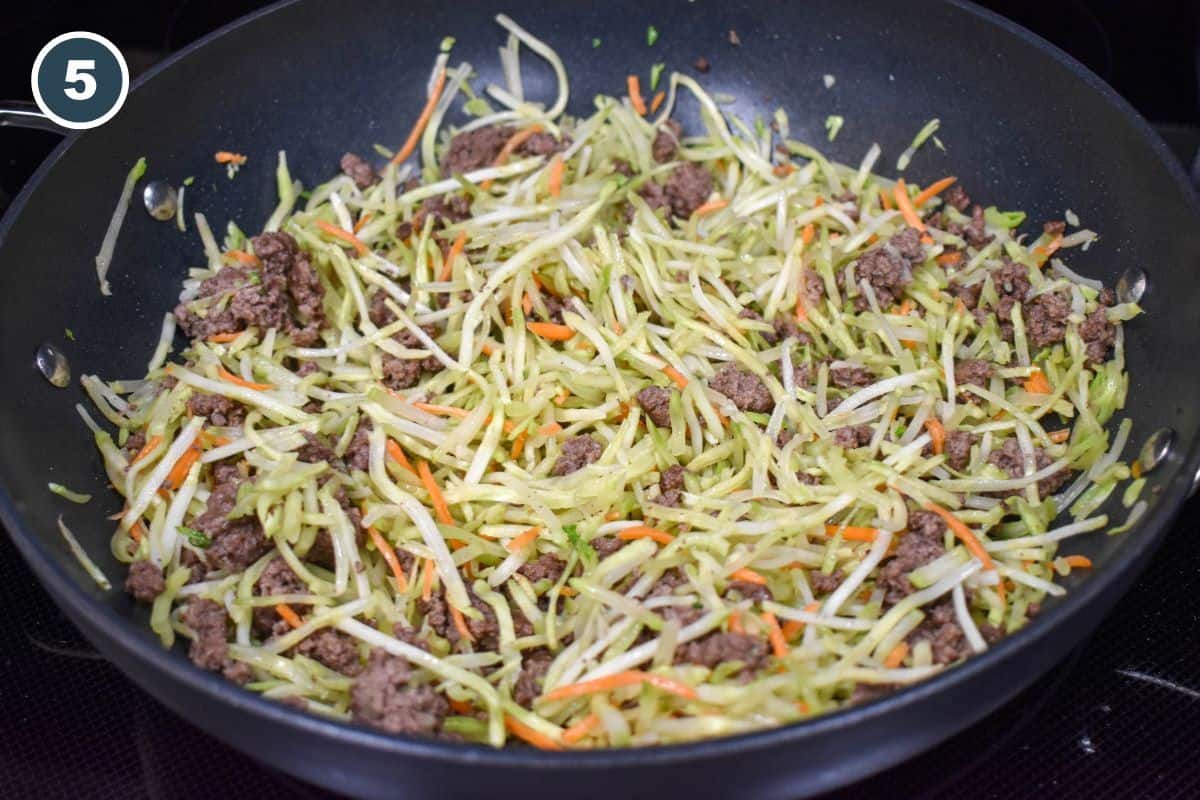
column 1119, row 718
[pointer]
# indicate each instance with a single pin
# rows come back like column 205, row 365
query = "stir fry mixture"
column 603, row 431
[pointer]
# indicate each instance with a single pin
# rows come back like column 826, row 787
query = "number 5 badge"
column 80, row 80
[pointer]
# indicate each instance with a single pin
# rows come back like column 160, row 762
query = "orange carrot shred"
column 346, row 236
column 791, row 628
column 779, row 645
column 635, row 95
column 900, row 193
column 460, row 624
column 677, row 377
column 852, row 533
column 243, row 257
column 1036, row 383
column 518, row 445
column 516, row 140
column 529, row 735
column 896, row 657
column 551, row 330
column 645, row 532
column 550, row 429
column 950, row 259
column 396, row 453
column 807, row 234
column 1044, row 252
column 147, row 449
column 964, row 534
column 937, row 434
column 224, row 338
column 783, row 170
column 179, row 472
column 886, row 201
column 554, row 179
column 226, row 375
column 749, row 576
column 710, row 207
column 581, row 729
column 932, row 190
column 735, row 622
column 527, row 304
column 361, row 221
column 226, row 157
column 410, row 144
column 389, row 555
column 289, row 616
column 618, row 680
column 657, row 101
column 435, row 493
column 1061, row 435
column 1078, row 562
column 427, row 580
column 523, row 540
column 456, row 250
column 460, row 706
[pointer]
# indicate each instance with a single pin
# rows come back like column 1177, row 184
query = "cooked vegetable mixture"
column 604, row 431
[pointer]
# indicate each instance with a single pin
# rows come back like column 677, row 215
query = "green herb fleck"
column 579, row 545
column 189, row 180
column 656, row 72
column 255, row 278
column 833, row 124
column 595, row 43
column 651, row 36
column 70, row 333
column 1003, row 219
column 195, row 537
column 447, row 44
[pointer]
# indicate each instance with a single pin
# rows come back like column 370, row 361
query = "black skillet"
column 1024, row 127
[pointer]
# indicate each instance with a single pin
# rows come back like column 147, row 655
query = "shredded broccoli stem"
column 591, row 423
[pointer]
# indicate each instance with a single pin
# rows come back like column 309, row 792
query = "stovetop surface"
column 1120, row 717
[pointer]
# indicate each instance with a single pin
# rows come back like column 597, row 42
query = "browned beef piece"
column 688, row 187
column 822, row 583
column 361, row 172
column 210, row 647
column 221, row 411
column 749, row 590
column 144, row 581
column 443, row 209
column 786, row 328
column 277, row 579
column 654, row 195
column 974, row 232
column 577, row 453
column 667, row 583
column 622, row 167
column 545, row 567
column 666, row 141
column 745, row 389
column 888, row 268
column 484, row 631
column 956, row 198
column 922, row 543
column 656, row 402
column 382, row 697
column 475, row 149
column 807, row 479
column 236, row 543
column 1010, row 459
column 958, row 448
column 400, row 373
column 991, row 633
column 534, row 665
column 969, row 295
column 1046, row 318
column 197, row 566
column 334, row 649
column 315, row 449
column 1054, row 228
column 555, row 306
column 814, row 287
column 973, row 370
column 543, row 144
column 606, row 545
column 848, row 375
column 135, row 443
column 1107, row 297
column 283, row 262
column 852, row 436
column 358, row 454
column 670, row 486
column 1098, row 335
column 1012, row 282
column 702, row 66
column 721, row 648
column 940, row 628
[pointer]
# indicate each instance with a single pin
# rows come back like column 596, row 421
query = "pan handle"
column 21, row 114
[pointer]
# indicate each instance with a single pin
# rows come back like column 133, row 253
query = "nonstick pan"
column 1024, row 127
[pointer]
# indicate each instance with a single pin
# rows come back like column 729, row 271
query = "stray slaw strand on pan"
column 597, row 432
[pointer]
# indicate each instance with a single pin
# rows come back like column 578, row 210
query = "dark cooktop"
column 1120, row 717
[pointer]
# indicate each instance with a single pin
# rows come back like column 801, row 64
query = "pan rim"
column 136, row 642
